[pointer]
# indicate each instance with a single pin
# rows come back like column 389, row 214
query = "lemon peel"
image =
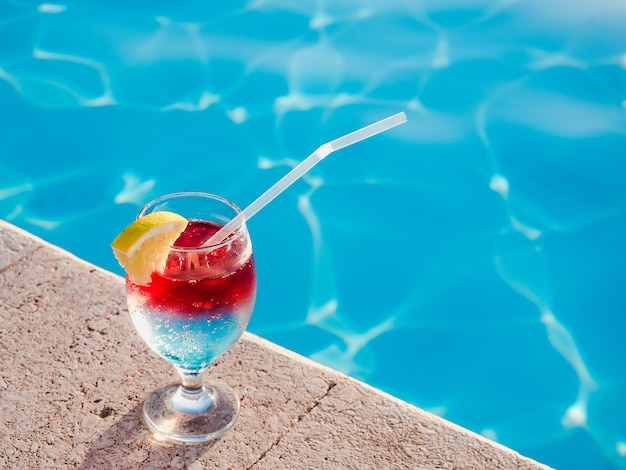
column 143, row 246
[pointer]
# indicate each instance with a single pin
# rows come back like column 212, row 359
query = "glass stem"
column 192, row 397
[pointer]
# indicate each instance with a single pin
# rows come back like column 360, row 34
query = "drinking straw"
column 305, row 165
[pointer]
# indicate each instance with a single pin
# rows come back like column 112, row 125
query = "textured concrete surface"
column 74, row 373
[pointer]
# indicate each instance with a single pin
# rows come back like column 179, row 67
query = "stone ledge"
column 74, row 374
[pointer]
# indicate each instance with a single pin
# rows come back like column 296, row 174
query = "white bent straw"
column 305, row 165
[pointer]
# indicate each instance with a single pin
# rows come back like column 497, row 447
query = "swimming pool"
column 470, row 261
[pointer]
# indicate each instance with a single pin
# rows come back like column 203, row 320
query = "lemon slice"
column 143, row 246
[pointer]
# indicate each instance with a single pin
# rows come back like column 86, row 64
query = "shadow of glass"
column 129, row 443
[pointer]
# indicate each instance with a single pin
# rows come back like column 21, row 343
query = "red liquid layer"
column 201, row 282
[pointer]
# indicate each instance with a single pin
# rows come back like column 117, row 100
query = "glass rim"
column 199, row 194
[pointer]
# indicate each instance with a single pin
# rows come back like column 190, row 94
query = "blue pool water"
column 471, row 261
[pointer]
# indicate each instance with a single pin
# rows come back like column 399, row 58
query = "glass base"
column 205, row 416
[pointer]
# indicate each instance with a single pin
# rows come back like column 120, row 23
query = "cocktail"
column 191, row 287
column 189, row 303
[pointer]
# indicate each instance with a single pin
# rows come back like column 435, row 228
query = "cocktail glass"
column 192, row 313
column 200, row 304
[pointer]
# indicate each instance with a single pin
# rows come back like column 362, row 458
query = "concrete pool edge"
column 74, row 374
